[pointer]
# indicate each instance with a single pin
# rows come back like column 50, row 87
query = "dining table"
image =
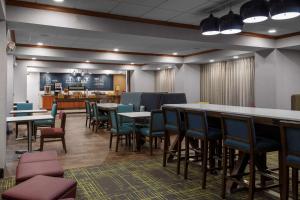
column 107, row 106
column 266, row 120
column 30, row 112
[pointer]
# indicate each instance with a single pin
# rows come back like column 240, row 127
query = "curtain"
column 228, row 82
column 165, row 80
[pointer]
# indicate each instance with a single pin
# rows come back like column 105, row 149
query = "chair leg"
column 117, row 145
column 64, row 143
column 155, row 142
column 110, row 140
column 295, row 183
column 186, row 159
column 86, row 121
column 166, row 141
column 178, row 156
column 224, row 157
column 151, row 145
column 17, row 130
column 252, row 177
column 204, row 163
column 41, row 143
column 285, row 182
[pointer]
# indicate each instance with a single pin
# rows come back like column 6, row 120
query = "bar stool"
column 290, row 136
column 197, row 129
column 173, row 125
column 239, row 134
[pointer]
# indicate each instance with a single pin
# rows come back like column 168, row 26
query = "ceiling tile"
column 161, row 14
column 96, row 5
column 187, row 19
column 66, row 3
column 182, row 5
column 130, row 10
column 150, row 3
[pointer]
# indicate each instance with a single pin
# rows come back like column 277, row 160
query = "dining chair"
column 155, row 130
column 173, row 125
column 197, row 130
column 99, row 118
column 87, row 113
column 46, row 123
column 121, row 108
column 290, row 137
column 22, row 106
column 55, row 134
column 118, row 129
column 239, row 134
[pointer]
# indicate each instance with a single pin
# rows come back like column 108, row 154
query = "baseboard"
column 1, row 173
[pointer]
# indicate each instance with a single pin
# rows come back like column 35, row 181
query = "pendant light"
column 254, row 11
column 284, row 9
column 210, row 26
column 231, row 23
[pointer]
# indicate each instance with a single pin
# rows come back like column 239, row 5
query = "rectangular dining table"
column 107, row 106
column 13, row 112
column 135, row 116
column 28, row 119
column 264, row 117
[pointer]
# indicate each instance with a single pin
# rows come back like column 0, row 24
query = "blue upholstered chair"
column 118, row 129
column 197, row 129
column 239, row 134
column 155, row 130
column 173, row 125
column 99, row 118
column 88, row 113
column 125, row 108
column 22, row 106
column 48, row 122
column 290, row 137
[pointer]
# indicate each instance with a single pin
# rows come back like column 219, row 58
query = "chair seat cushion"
column 38, row 156
column 48, row 122
column 262, row 145
column 50, row 132
column 42, row 188
column 213, row 134
column 146, row 132
column 26, row 171
column 291, row 159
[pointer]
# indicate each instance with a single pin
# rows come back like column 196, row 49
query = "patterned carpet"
column 142, row 180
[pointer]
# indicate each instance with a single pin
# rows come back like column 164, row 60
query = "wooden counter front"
column 47, row 101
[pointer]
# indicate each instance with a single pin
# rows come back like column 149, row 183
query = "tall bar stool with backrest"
column 46, row 123
column 156, row 129
column 173, row 125
column 197, row 129
column 118, row 129
column 22, row 106
column 55, row 133
column 290, row 137
column 239, row 134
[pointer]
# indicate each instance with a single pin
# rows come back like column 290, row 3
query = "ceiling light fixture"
column 158, row 68
column 235, row 57
column 132, row 63
column 175, row 54
column 284, row 9
column 59, row 1
column 211, row 60
column 116, row 49
column 272, row 31
column 210, row 26
column 87, row 61
column 169, row 67
column 40, row 44
column 231, row 23
column 33, row 58
column 254, row 11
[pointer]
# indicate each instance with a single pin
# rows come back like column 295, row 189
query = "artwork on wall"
column 89, row 81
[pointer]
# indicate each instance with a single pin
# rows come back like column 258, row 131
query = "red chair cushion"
column 51, row 132
column 42, row 188
column 38, row 156
column 26, row 171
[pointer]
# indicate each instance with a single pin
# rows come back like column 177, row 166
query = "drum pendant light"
column 284, row 9
column 231, row 23
column 210, row 26
column 254, row 11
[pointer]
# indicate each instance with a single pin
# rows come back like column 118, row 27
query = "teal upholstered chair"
column 197, row 129
column 239, row 134
column 88, row 112
column 173, row 125
column 125, row 108
column 118, row 129
column 290, row 137
column 99, row 118
column 155, row 130
column 46, row 123
column 22, row 106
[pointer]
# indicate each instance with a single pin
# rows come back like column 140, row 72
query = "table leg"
column 30, row 133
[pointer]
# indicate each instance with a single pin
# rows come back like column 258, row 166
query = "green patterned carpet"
column 142, row 180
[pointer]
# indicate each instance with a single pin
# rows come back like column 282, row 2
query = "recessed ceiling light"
column 158, row 68
column 87, row 61
column 235, row 57
column 175, row 53
column 40, row 43
column 33, row 58
column 116, row 49
column 211, row 60
column 272, row 31
column 132, row 63
column 59, row 1
column 169, row 67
